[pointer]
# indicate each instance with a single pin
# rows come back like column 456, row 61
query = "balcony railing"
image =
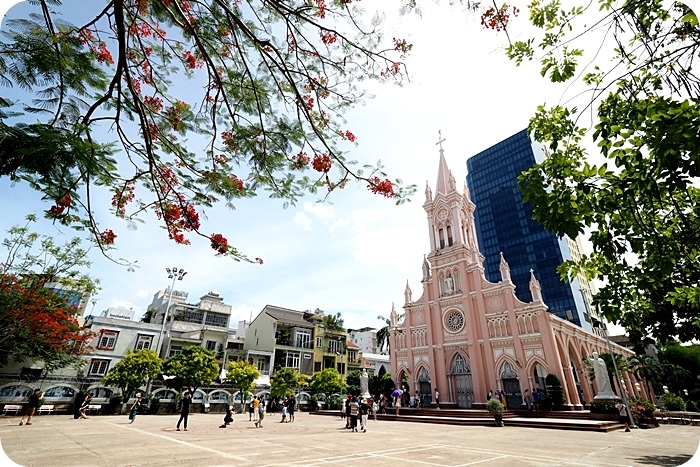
column 292, row 343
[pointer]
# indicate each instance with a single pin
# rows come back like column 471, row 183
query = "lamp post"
column 173, row 274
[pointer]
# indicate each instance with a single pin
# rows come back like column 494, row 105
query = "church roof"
column 443, row 178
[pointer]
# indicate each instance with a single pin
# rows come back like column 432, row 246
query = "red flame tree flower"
column 244, row 68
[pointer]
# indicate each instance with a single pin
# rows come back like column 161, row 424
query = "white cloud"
column 301, row 219
column 326, row 213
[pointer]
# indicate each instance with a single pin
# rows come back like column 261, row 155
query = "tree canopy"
column 41, row 286
column 173, row 106
column 327, row 382
column 242, row 375
column 192, row 368
column 284, row 382
column 133, row 371
column 641, row 202
column 333, row 322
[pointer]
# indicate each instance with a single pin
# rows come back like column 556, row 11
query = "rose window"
column 454, row 321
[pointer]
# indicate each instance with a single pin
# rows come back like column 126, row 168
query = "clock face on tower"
column 454, row 321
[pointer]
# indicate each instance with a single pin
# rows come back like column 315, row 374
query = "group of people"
column 354, row 409
column 536, row 400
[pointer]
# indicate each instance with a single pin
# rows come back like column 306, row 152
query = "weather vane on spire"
column 440, row 139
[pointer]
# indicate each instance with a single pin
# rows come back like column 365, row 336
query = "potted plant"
column 495, row 408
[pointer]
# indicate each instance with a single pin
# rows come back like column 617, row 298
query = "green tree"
column 352, row 381
column 333, row 322
column 271, row 83
column 383, row 335
column 641, row 202
column 192, row 368
column 381, row 385
column 680, row 367
column 284, row 382
column 242, row 375
column 327, row 382
column 133, row 371
column 41, row 285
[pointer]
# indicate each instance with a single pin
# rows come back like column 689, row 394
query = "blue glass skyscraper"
column 504, row 224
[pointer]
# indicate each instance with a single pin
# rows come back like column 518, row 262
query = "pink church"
column 465, row 336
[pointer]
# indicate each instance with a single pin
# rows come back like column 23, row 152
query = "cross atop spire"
column 440, row 140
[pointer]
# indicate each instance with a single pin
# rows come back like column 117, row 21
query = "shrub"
column 641, row 408
column 494, row 407
column 672, row 401
column 555, row 393
column 604, row 407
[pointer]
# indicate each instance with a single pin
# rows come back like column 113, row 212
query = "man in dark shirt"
column 185, row 412
column 31, row 407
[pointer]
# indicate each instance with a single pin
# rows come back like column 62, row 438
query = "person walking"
column 31, row 407
column 256, row 408
column 622, row 410
column 397, row 405
column 292, row 403
column 364, row 413
column 437, row 399
column 261, row 413
column 354, row 412
column 251, row 410
column 347, row 411
column 135, row 408
column 185, row 410
column 375, row 408
column 84, row 406
column 528, row 399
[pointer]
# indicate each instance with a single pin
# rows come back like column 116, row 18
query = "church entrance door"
column 426, row 392
column 511, row 387
column 462, row 377
column 465, row 391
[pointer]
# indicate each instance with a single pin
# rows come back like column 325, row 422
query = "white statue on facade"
column 601, row 377
column 449, row 284
column 364, row 383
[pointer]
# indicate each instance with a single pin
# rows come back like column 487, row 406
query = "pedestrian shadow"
column 663, row 460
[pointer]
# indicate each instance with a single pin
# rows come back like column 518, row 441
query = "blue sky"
column 354, row 253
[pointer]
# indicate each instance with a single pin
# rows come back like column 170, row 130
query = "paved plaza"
column 59, row 440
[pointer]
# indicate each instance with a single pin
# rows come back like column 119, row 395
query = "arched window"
column 442, row 239
column 449, row 235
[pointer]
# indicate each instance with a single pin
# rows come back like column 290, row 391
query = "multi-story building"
column 204, row 323
column 365, row 339
column 114, row 336
column 505, row 229
column 297, row 339
column 280, row 338
column 331, row 349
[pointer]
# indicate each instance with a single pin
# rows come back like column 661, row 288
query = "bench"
column 94, row 408
column 12, row 408
column 46, row 408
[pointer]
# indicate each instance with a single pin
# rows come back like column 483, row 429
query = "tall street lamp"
column 173, row 274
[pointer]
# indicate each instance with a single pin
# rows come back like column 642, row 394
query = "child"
column 228, row 418
column 284, row 411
